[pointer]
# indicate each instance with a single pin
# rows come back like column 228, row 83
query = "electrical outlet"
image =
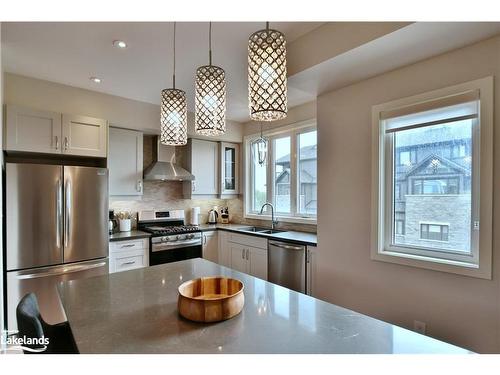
column 419, row 327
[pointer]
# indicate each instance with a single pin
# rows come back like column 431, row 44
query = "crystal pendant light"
column 173, row 116
column 267, row 82
column 210, row 97
column 260, row 147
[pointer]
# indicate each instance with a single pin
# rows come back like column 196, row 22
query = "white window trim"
column 379, row 251
column 298, row 127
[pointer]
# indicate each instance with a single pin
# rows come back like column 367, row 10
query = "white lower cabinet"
column 257, row 262
column 128, row 255
column 224, row 251
column 311, row 270
column 248, row 254
column 238, row 257
column 210, row 246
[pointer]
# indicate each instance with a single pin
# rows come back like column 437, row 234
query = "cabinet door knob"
column 57, row 142
column 65, row 143
column 243, row 254
column 248, row 251
column 139, row 185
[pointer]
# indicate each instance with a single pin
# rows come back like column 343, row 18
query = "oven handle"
column 174, row 245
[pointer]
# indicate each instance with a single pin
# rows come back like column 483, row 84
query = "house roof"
column 306, row 153
column 440, row 163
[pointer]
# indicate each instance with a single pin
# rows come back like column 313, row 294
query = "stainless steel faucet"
column 273, row 221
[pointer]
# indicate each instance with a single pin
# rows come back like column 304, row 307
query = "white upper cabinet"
column 31, row 130
column 125, row 162
column 229, row 168
column 47, row 132
column 84, row 136
column 202, row 161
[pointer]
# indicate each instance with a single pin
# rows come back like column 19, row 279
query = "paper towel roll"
column 195, row 213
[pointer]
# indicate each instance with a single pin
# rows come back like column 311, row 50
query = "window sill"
column 435, row 264
column 284, row 219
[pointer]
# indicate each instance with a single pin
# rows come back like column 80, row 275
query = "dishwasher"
column 286, row 263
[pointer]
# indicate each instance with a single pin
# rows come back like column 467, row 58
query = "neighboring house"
column 432, row 188
column 307, row 180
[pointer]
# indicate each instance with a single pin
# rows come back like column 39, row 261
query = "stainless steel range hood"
column 164, row 167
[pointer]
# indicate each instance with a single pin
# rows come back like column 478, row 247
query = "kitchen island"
column 136, row 312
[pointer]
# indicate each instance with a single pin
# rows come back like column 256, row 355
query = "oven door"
column 169, row 252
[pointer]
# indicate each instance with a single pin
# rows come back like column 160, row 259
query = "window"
column 282, row 174
column 399, row 223
column 437, row 186
column 434, row 147
column 435, row 232
column 307, row 167
column 230, row 168
column 292, row 172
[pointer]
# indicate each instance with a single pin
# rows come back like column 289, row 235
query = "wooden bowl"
column 210, row 299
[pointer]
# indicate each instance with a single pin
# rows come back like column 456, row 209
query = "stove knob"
column 178, row 237
column 191, row 236
column 164, row 239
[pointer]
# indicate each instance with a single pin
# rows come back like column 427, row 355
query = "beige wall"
column 458, row 309
column 122, row 112
column 332, row 39
column 1, row 184
column 299, row 113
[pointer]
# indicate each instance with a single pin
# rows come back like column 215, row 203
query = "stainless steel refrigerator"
column 56, row 229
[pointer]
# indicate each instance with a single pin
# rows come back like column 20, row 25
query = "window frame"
column 480, row 264
column 292, row 130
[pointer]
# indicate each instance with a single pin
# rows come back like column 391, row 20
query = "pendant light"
column 260, row 147
column 173, row 116
column 267, row 82
column 210, row 96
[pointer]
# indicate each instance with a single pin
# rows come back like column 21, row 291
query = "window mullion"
column 270, row 172
column 293, row 174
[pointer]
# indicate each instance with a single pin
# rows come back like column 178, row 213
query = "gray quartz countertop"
column 304, row 238
column 136, row 312
column 123, row 236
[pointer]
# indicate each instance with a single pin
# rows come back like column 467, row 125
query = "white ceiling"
column 70, row 53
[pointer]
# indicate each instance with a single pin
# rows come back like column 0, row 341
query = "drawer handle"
column 128, row 263
column 129, row 245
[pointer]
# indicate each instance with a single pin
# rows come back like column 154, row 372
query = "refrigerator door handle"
column 63, row 270
column 59, row 213
column 67, row 213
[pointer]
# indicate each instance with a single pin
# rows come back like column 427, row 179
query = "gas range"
column 171, row 239
column 163, row 230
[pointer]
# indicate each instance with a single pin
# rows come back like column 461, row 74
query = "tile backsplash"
column 166, row 195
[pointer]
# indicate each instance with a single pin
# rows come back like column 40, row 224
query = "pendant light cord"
column 173, row 77
column 210, row 43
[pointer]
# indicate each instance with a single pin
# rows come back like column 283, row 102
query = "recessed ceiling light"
column 95, row 79
column 119, row 44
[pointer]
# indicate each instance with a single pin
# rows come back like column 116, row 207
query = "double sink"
column 260, row 230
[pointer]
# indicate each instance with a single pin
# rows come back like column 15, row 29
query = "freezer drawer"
column 43, row 282
column 286, row 265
